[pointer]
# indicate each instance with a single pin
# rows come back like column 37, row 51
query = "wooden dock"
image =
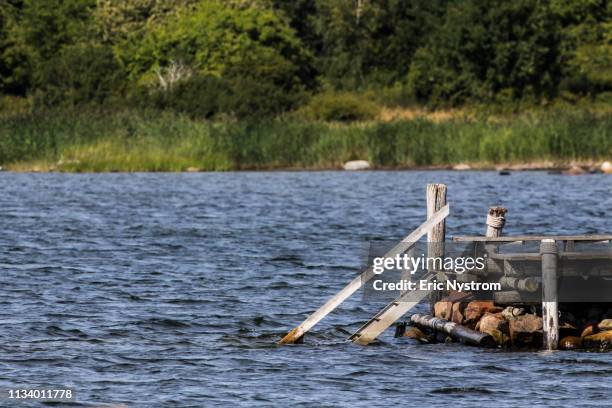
column 523, row 275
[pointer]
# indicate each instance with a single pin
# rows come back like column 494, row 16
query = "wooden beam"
column 508, row 238
column 365, row 276
column 389, row 315
column 569, row 256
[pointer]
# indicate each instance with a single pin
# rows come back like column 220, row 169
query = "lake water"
column 171, row 290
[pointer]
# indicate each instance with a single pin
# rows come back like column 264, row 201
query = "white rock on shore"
column 462, row 166
column 606, row 167
column 575, row 171
column 356, row 165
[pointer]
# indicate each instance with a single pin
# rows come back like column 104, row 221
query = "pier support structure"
column 550, row 306
column 436, row 199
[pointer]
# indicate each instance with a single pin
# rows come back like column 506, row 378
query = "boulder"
column 606, row 167
column 512, row 312
column 605, row 325
column 574, row 171
column 416, row 333
column 590, row 329
column 526, row 331
column 462, row 167
column 457, row 296
column 496, row 325
column 443, row 309
column 457, row 312
column 192, row 169
column 601, row 341
column 356, row 165
column 477, row 308
column 570, row 343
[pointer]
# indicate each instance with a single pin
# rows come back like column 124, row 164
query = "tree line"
column 247, row 58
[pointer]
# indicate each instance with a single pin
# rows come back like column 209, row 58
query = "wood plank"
column 389, row 315
column 508, row 238
column 568, row 256
column 365, row 276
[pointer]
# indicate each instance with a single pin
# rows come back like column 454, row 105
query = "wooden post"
column 436, row 199
column 550, row 307
column 496, row 219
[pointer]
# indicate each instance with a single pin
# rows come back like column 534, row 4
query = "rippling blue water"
column 171, row 290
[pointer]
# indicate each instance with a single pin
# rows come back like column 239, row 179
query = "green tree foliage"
column 79, row 74
column 14, row 67
column 251, row 48
column 364, row 41
column 301, row 15
column 217, row 39
column 264, row 57
column 46, row 26
column 587, row 37
column 37, row 31
column 117, row 19
column 489, row 48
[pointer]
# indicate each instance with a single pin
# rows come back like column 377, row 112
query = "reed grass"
column 100, row 141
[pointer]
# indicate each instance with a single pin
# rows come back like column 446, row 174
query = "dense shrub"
column 207, row 96
column 200, row 96
column 344, row 107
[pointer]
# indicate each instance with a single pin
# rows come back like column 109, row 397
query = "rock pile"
column 514, row 327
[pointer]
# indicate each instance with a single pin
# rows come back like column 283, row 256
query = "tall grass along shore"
column 99, row 141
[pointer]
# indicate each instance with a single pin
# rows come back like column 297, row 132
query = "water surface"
column 170, row 290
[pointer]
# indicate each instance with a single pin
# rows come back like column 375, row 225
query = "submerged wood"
column 454, row 330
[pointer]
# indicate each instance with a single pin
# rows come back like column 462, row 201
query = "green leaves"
column 487, row 47
column 277, row 52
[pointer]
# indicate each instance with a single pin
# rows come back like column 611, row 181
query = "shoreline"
column 570, row 168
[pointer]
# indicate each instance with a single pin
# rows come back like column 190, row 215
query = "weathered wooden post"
column 496, row 219
column 550, row 307
column 436, row 199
